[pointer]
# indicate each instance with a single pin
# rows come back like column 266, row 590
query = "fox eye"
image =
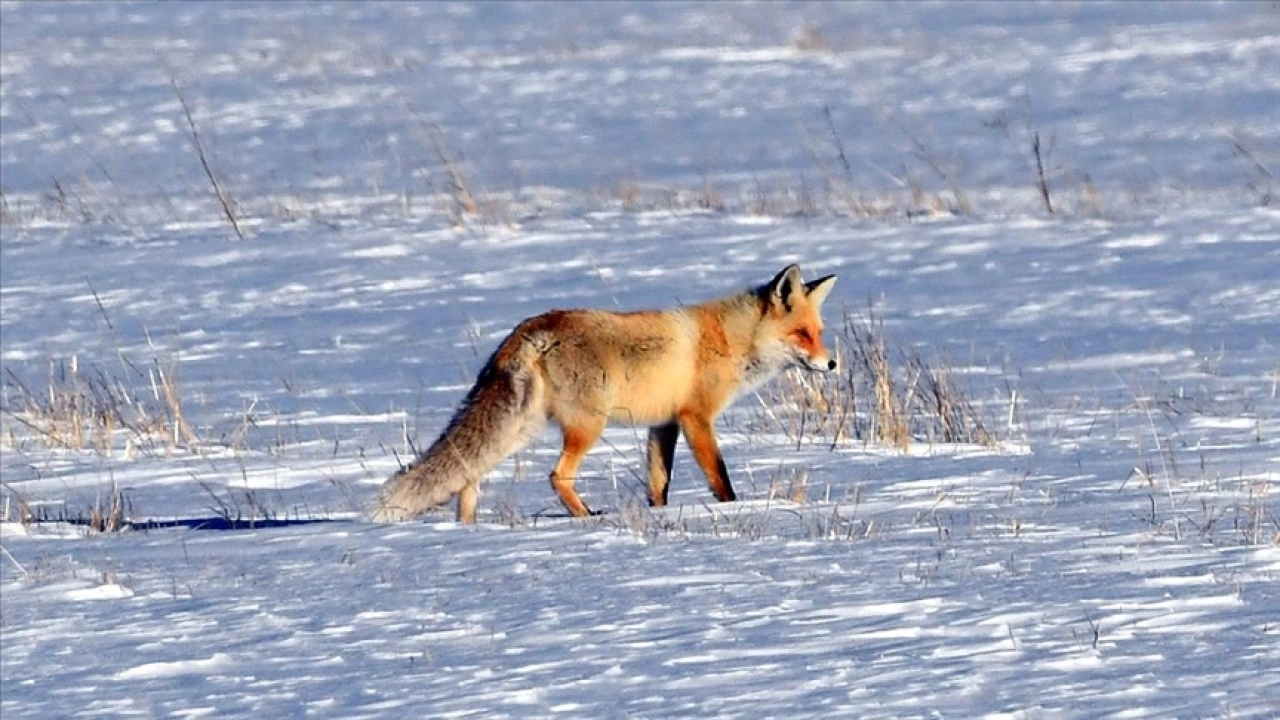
column 804, row 335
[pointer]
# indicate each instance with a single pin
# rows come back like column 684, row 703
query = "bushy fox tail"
column 501, row 413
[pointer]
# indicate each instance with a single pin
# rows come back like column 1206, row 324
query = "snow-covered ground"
column 1117, row 554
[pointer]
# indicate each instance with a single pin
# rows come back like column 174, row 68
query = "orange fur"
column 672, row 370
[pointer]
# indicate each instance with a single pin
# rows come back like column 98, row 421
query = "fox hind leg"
column 702, row 441
column 467, row 498
column 578, row 439
column 661, row 455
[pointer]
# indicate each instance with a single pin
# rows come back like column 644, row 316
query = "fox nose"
column 831, row 365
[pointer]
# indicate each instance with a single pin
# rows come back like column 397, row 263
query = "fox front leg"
column 702, row 441
column 661, row 454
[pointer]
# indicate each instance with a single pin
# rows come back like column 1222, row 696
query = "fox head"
column 791, row 329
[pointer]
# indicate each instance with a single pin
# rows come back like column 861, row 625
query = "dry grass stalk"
column 1042, row 179
column 870, row 357
column 952, row 415
column 223, row 199
column 872, row 398
column 80, row 408
column 464, row 202
column 111, row 518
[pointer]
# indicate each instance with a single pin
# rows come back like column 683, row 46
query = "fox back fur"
column 671, row 370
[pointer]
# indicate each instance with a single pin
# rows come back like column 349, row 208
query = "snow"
column 1114, row 555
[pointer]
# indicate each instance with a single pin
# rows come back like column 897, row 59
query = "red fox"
column 671, row 370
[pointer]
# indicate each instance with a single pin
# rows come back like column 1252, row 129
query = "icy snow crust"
column 1114, row 556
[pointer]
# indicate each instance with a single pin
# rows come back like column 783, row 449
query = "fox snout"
column 827, row 364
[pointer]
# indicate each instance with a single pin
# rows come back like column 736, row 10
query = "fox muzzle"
column 818, row 365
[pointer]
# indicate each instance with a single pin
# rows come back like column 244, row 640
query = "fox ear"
column 783, row 286
column 818, row 290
